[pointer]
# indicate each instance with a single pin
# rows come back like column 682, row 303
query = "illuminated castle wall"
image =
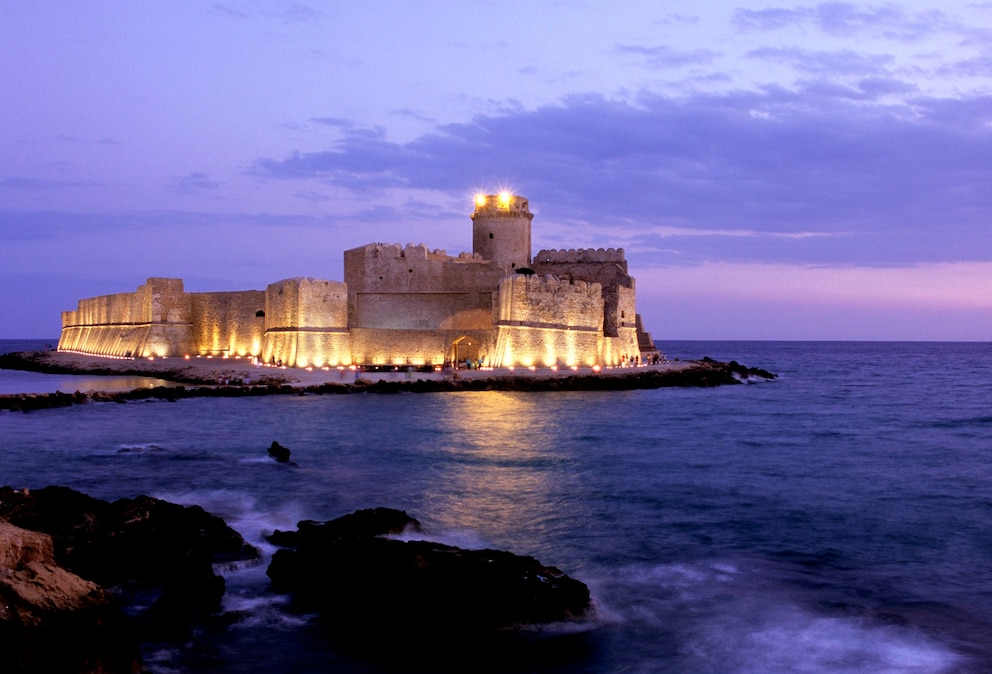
column 397, row 305
column 154, row 319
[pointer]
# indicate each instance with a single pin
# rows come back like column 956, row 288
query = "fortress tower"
column 501, row 229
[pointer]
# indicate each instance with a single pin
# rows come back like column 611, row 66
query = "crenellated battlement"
column 579, row 256
column 410, row 251
column 304, row 282
column 551, row 285
column 306, row 302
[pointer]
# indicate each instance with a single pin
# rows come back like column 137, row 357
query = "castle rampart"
column 393, row 288
column 306, row 323
column 548, row 321
column 153, row 320
column 580, row 255
column 227, row 323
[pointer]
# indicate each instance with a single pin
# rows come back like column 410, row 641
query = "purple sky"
column 773, row 170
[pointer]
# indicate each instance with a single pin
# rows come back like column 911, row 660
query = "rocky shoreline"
column 83, row 582
column 76, row 573
column 200, row 379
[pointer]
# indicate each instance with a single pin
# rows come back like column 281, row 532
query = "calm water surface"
column 838, row 519
column 18, row 381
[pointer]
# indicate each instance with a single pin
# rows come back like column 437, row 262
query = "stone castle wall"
column 580, row 255
column 227, row 323
column 306, row 303
column 417, row 347
column 547, row 321
column 607, row 267
column 152, row 321
column 624, row 342
column 306, row 323
column 412, row 288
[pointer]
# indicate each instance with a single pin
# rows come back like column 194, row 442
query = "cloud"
column 227, row 11
column 197, row 183
column 293, row 13
column 847, row 20
column 979, row 66
column 300, row 13
column 740, row 233
column 43, row 184
column 337, row 122
column 844, row 62
column 666, row 57
column 773, row 18
column 902, row 182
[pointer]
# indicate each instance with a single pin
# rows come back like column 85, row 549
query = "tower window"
column 490, row 235
column 260, row 314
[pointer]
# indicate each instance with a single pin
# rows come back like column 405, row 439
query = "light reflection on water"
column 497, row 469
column 16, row 381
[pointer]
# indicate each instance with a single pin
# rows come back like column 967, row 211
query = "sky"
column 772, row 170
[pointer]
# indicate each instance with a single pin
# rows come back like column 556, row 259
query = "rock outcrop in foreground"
column 70, row 562
column 61, row 548
column 371, row 588
column 51, row 620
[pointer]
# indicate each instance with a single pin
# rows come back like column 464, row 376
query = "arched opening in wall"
column 465, row 349
column 260, row 313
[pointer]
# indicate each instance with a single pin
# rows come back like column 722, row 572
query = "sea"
column 835, row 519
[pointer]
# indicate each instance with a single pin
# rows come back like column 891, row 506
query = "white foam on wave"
column 263, row 608
column 140, row 448
column 247, row 590
column 241, row 512
column 723, row 617
column 459, row 538
column 784, row 638
column 163, row 660
column 684, row 575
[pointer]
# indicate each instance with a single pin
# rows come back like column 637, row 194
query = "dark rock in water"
column 136, row 545
column 278, row 452
column 746, row 372
column 367, row 523
column 363, row 584
column 51, row 620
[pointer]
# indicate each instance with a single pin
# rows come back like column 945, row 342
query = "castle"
column 397, row 306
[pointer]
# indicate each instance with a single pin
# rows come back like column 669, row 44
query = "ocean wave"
column 463, row 538
column 140, row 448
column 753, row 637
column 723, row 617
